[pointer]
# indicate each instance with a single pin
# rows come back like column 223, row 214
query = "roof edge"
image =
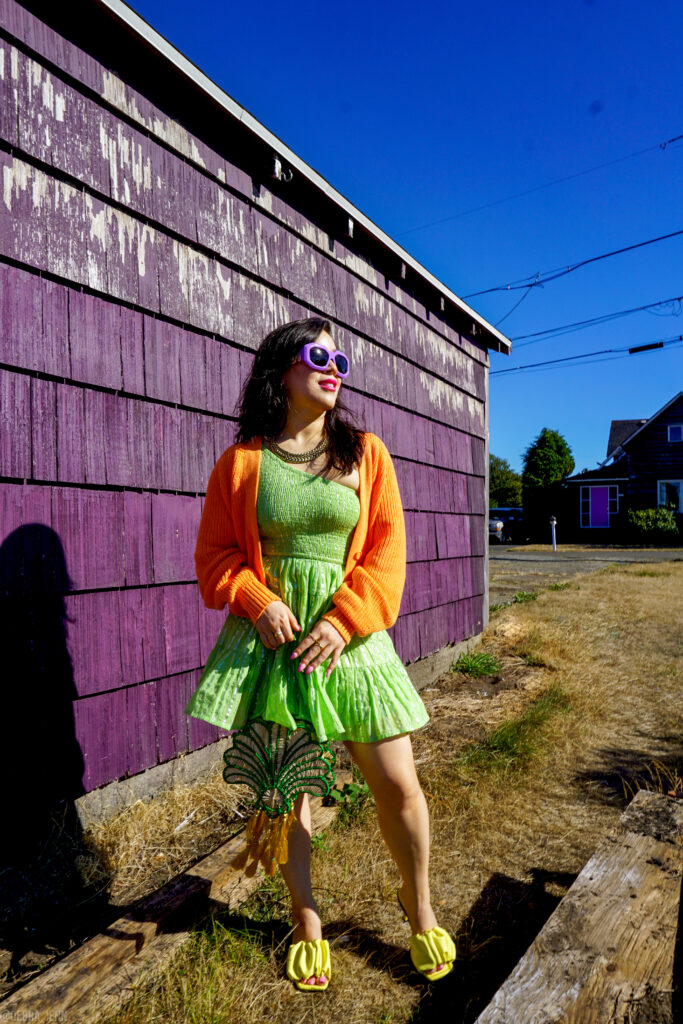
column 627, row 440
column 137, row 24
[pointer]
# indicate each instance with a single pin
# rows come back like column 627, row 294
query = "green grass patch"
column 514, row 744
column 522, row 596
column 559, row 586
column 647, row 572
column 269, row 902
column 479, row 663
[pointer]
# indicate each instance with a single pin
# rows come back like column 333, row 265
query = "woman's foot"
column 308, row 928
column 421, row 919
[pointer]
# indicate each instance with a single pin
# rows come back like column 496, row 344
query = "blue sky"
column 420, row 113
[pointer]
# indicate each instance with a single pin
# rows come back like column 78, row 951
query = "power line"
column 586, row 357
column 553, row 275
column 579, row 325
column 538, row 188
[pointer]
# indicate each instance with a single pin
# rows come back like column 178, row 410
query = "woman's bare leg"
column 389, row 770
column 297, row 875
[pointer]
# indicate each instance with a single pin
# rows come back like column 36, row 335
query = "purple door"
column 599, row 506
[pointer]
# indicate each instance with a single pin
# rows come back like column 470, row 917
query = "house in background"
column 643, row 469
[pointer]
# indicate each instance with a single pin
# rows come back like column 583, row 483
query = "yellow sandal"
column 430, row 948
column 307, row 960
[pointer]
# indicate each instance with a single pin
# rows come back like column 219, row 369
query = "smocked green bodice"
column 301, row 515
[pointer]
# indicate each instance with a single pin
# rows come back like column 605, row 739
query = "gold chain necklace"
column 297, row 456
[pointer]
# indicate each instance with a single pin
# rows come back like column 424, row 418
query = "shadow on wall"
column 42, row 896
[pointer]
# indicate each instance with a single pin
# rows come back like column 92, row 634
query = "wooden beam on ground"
column 606, row 955
column 97, row 978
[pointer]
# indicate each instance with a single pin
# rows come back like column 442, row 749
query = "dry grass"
column 507, row 840
column 148, row 843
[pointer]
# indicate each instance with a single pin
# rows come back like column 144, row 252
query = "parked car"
column 496, row 530
column 513, row 524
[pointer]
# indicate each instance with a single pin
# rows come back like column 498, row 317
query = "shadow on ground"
column 500, row 927
column 619, row 774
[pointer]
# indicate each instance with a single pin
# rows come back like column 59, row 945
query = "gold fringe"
column 266, row 843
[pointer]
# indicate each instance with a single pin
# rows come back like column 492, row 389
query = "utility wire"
column 538, row 188
column 628, row 349
column 552, row 275
column 579, row 325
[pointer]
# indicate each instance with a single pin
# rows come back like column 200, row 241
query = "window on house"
column 598, row 504
column 676, row 432
column 670, row 494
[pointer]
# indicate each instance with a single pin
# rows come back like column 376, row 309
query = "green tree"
column 547, row 461
column 505, row 486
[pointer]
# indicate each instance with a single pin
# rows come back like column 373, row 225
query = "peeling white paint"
column 224, row 285
column 145, row 232
column 48, row 94
column 60, row 105
column 2, row 62
column 126, row 229
column 147, row 174
column 98, row 221
column 195, row 154
column 40, row 186
column 360, row 298
column 104, row 142
column 220, row 173
column 14, row 63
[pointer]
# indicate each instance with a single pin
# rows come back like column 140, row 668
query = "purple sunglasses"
column 317, row 356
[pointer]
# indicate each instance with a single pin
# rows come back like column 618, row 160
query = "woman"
column 302, row 535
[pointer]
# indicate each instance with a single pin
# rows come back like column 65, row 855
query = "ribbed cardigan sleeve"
column 223, row 574
column 370, row 600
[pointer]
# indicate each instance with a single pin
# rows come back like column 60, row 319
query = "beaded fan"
column 278, row 764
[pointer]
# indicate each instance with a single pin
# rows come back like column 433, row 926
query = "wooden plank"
column 70, row 434
column 175, row 522
column 154, row 646
column 95, row 340
column 132, row 357
column 607, row 952
column 140, row 727
column 98, row 732
column 43, row 429
column 89, row 524
column 95, row 979
column 15, row 424
column 181, row 627
column 20, row 319
column 172, row 695
column 10, row 64
column 131, row 635
column 94, row 641
column 137, row 530
column 162, row 342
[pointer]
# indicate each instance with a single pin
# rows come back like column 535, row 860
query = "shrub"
column 652, row 525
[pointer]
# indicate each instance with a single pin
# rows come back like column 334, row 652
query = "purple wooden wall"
column 139, row 269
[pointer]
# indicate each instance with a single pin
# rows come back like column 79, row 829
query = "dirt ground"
column 527, row 567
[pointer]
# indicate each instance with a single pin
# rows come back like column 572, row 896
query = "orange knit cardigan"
column 228, row 551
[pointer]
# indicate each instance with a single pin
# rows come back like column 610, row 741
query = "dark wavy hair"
column 263, row 402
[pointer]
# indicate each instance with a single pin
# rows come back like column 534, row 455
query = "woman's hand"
column 275, row 625
column 330, row 644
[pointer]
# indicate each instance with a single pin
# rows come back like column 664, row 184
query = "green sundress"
column 305, row 526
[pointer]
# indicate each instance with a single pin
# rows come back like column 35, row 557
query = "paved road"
column 514, row 567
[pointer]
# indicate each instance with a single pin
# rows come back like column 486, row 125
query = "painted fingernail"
column 328, row 672
column 294, row 654
column 301, row 667
column 309, row 669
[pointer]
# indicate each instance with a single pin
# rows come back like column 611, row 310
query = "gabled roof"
column 617, row 451
column 619, row 431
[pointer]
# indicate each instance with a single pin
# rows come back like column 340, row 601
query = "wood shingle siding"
column 144, row 253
